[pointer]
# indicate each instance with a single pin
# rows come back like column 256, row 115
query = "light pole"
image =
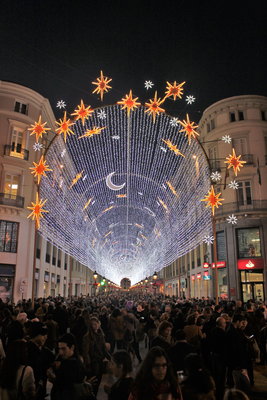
column 155, row 277
column 95, row 284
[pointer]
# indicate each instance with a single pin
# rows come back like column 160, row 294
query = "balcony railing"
column 16, row 151
column 11, row 200
column 257, row 205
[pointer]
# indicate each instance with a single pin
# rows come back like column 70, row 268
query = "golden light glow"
column 75, row 180
column 37, row 210
column 91, row 132
column 139, row 226
column 153, row 108
column 189, row 128
column 129, row 103
column 38, row 129
column 163, row 204
column 102, row 85
column 121, row 196
column 143, row 236
column 82, row 112
column 173, row 147
column 213, row 200
column 40, row 169
column 172, row 188
column 107, row 234
column 174, row 90
column 157, row 232
column 64, row 127
column 87, row 203
column 234, row 161
column 107, row 209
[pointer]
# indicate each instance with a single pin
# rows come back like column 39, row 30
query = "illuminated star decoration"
column 153, row 108
column 172, row 188
column 233, row 185
column 120, row 196
column 91, row 132
column 189, row 128
column 37, row 146
column 129, row 103
column 163, row 204
column 190, row 99
column 38, row 129
column 173, row 147
column 40, row 169
column 87, row 203
column 37, row 210
column 64, row 127
column 61, row 104
column 234, row 162
column 101, row 114
column 83, row 112
column 208, row 239
column 226, row 139
column 75, row 180
column 102, row 85
column 216, row 176
column 148, row 85
column 174, row 122
column 174, row 90
column 213, row 200
column 232, row 219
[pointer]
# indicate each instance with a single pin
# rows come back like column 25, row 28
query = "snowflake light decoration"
column 40, row 169
column 102, row 85
column 174, row 122
column 64, row 127
column 153, row 108
column 38, row 129
column 174, row 90
column 234, row 161
column 189, row 128
column 82, row 112
column 61, row 104
column 213, row 200
column 216, row 176
column 148, row 85
column 233, row 185
column 209, row 239
column 226, row 139
column 37, row 146
column 190, row 99
column 37, row 210
column 101, row 114
column 129, row 103
column 232, row 219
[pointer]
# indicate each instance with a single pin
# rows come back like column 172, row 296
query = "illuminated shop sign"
column 220, row 264
column 253, row 263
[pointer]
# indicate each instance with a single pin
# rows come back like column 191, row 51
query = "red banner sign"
column 253, row 263
column 220, row 264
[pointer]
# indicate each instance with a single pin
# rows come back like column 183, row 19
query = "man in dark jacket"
column 218, row 356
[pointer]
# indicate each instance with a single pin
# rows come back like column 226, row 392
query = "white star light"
column 216, row 176
column 233, row 185
column 101, row 114
column 190, row 99
column 232, row 219
column 174, row 122
column 226, row 139
column 163, row 149
column 61, row 104
column 63, row 153
column 148, row 85
column 208, row 239
column 115, row 137
column 37, row 146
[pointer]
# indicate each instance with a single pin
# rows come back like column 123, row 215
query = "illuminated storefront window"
column 248, row 242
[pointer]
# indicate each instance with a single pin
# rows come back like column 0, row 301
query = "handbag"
column 83, row 391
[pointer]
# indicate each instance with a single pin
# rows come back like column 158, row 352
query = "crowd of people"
column 194, row 348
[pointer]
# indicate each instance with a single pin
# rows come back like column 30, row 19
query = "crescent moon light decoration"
column 111, row 185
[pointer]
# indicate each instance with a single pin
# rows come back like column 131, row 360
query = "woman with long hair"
column 155, row 379
column 17, row 379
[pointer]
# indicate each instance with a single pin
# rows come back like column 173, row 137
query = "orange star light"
column 91, row 132
column 75, row 180
column 189, row 128
column 37, row 210
column 234, row 162
column 40, row 169
column 173, row 148
column 129, row 103
column 82, row 112
column 38, row 129
column 172, row 188
column 87, row 203
column 153, row 108
column 213, row 199
column 174, row 90
column 102, row 85
column 121, row 196
column 64, row 127
column 163, row 204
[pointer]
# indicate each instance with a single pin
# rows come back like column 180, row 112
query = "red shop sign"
column 220, row 264
column 198, row 276
column 206, row 265
column 253, row 263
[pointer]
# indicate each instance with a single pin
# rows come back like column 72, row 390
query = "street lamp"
column 155, row 277
column 95, row 284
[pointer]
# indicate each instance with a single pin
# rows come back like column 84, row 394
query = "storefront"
column 7, row 274
column 222, row 279
column 251, row 278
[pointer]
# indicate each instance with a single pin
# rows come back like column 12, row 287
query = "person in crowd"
column 121, row 368
column 235, row 394
column 118, row 329
column 180, row 350
column 155, row 379
column 193, row 332
column 163, row 338
column 52, row 332
column 16, row 378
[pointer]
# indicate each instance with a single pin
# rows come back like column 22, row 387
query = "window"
column 240, row 115
column 212, row 124
column 248, row 242
column 54, row 255
column 240, row 146
column 8, row 236
column 244, row 195
column 11, row 186
column 48, row 252
column 59, row 258
column 208, row 127
column 198, row 256
column 265, row 143
column 20, row 107
column 220, row 246
column 263, row 115
column 232, row 116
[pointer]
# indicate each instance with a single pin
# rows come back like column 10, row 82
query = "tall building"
column 241, row 247
column 56, row 272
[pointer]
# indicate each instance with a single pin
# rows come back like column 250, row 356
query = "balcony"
column 16, row 151
column 257, row 205
column 12, row 200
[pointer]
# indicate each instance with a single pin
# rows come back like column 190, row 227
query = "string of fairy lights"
column 122, row 185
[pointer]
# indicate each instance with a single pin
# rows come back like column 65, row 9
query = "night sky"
column 59, row 47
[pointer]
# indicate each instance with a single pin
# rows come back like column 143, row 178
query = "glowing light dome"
column 136, row 205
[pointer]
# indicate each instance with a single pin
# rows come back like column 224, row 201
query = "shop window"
column 221, row 256
column 244, row 194
column 248, row 242
column 21, row 107
column 8, row 236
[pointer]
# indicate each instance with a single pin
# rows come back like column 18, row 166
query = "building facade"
column 241, row 247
